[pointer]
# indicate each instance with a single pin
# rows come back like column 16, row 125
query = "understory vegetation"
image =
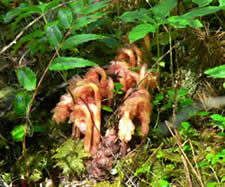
column 112, row 93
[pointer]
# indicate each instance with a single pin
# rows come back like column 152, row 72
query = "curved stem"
column 33, row 98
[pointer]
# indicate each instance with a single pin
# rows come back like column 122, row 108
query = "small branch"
column 154, row 153
column 193, row 153
column 183, row 159
column 188, row 161
column 31, row 23
column 33, row 98
column 214, row 172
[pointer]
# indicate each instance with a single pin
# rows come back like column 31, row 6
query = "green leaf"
column 164, row 183
column 23, row 15
column 223, row 179
column 28, row 38
column 140, row 31
column 81, row 22
column 216, row 72
column 118, row 85
column 21, row 103
column 163, row 9
column 26, row 78
column 181, row 92
column 222, row 3
column 110, row 42
column 85, row 20
column 95, row 6
column 18, row 133
column 39, row 45
column 159, row 97
column 54, row 34
column 215, row 160
column 76, row 7
column 201, row 12
column 202, row 2
column 217, row 117
column 185, row 125
column 65, row 17
column 209, row 156
column 46, row 6
column 212, row 184
column 80, row 39
column 65, row 63
column 202, row 164
column 141, row 15
column 204, row 113
column 23, row 8
column 182, row 22
column 107, row 108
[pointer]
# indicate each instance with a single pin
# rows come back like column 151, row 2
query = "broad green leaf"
column 80, row 39
column 21, row 103
column 46, row 6
column 81, row 22
column 54, row 34
column 18, row 133
column 163, row 8
column 202, row 2
column 216, row 72
column 224, row 85
column 95, row 6
column 217, row 117
column 107, row 108
column 65, row 63
column 212, row 184
column 39, row 45
column 28, row 38
column 142, row 15
column 188, row 18
column 182, row 22
column 26, row 78
column 85, row 20
column 23, row 8
column 110, row 42
column 222, row 3
column 66, row 17
column 140, row 31
column 76, row 7
column 23, row 15
column 201, row 12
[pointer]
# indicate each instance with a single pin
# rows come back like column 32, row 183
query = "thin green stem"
column 45, row 19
